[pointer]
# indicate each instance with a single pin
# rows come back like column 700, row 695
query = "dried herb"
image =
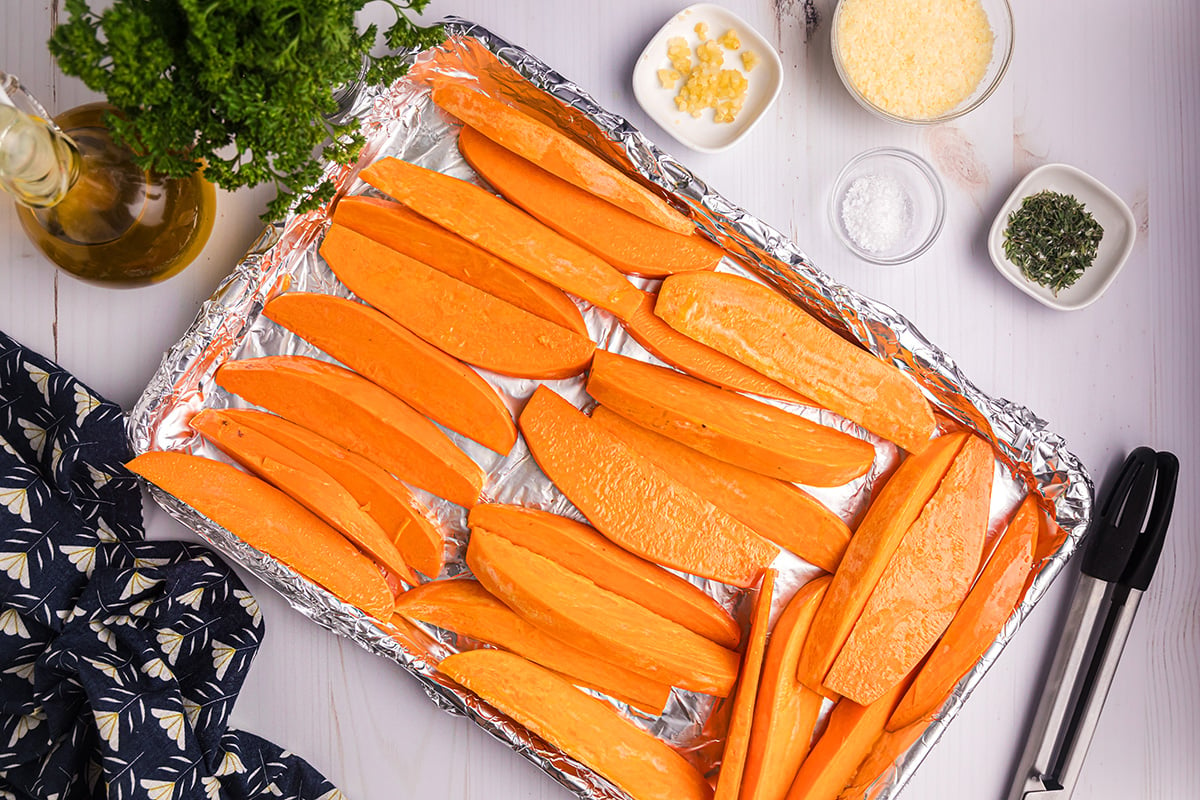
column 239, row 88
column 1052, row 238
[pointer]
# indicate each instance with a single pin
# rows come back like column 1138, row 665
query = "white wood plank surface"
column 1109, row 86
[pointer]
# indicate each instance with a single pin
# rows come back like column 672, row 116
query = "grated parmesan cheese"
column 914, row 58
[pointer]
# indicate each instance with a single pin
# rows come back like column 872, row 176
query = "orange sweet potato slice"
column 979, row 620
column 270, row 521
column 925, row 582
column 360, row 416
column 786, row 710
column 890, row 746
column 557, row 154
column 737, row 738
column 634, row 503
column 392, row 224
column 698, row 360
column 303, row 481
column 453, row 316
column 465, row 607
column 583, row 727
column 570, row 607
column 440, row 387
column 727, row 425
column 888, row 518
column 506, row 232
column 763, row 329
column 849, row 735
column 775, row 509
column 630, row 244
column 387, row 500
column 581, row 549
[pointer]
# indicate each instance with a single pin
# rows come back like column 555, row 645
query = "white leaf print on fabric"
column 11, row 624
column 171, row 722
column 212, row 787
column 104, row 634
column 40, row 378
column 157, row 668
column 247, row 601
column 56, row 454
column 158, row 790
column 192, row 709
column 6, row 447
column 169, row 641
column 16, row 501
column 104, row 533
column 110, row 670
column 23, row 671
column 192, row 598
column 99, row 478
column 222, row 657
column 109, row 725
column 35, row 434
column 85, row 403
column 332, row 794
column 84, row 558
column 230, row 764
column 137, row 584
column 16, row 566
column 25, row 724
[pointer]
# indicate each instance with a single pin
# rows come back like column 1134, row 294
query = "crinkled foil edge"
column 1021, row 438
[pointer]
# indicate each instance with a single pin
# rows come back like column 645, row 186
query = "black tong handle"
column 1128, row 534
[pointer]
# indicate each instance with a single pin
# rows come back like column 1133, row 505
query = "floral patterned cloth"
column 120, row 659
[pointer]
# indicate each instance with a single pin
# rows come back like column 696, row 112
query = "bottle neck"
column 38, row 162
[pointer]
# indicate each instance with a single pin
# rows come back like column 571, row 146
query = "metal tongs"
column 1127, row 538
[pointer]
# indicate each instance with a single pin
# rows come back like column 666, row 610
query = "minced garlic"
column 914, row 58
column 707, row 84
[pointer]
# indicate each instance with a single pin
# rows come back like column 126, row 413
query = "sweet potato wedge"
column 360, row 416
column 584, row 728
column 763, row 329
column 634, row 503
column 453, row 316
column 925, row 582
column 440, row 387
column 558, row 154
column 887, row 748
column 465, row 607
column 786, row 710
column 405, row 231
column 582, row 549
column 727, row 425
column 849, row 735
column 270, row 521
column 979, row 620
column 737, row 737
column 888, row 518
column 630, row 244
column 570, row 607
column 699, row 360
column 775, row 509
column 305, row 482
column 387, row 500
column 505, row 231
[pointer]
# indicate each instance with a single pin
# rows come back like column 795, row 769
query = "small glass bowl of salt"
column 887, row 206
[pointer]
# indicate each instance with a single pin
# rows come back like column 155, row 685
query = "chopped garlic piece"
column 749, row 60
column 702, row 30
column 730, row 40
column 668, row 78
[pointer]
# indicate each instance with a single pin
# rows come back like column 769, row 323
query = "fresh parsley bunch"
column 239, row 88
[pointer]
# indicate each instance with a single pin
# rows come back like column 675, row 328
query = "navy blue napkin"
column 120, row 659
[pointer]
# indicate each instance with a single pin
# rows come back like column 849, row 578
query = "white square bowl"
column 1110, row 211
column 701, row 133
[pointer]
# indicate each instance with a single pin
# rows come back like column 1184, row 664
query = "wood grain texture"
column 1109, row 86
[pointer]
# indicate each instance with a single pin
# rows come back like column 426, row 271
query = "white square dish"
column 1120, row 230
column 701, row 133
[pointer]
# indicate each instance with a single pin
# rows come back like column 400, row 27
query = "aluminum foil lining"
column 401, row 121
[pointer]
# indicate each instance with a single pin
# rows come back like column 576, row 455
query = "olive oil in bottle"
column 84, row 202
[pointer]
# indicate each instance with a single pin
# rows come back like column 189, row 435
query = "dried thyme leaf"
column 1052, row 238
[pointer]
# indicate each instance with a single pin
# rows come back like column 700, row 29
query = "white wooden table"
column 1109, row 86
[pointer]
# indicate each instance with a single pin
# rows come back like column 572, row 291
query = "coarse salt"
column 877, row 212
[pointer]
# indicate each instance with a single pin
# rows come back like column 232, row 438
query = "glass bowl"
column 887, row 206
column 1000, row 17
